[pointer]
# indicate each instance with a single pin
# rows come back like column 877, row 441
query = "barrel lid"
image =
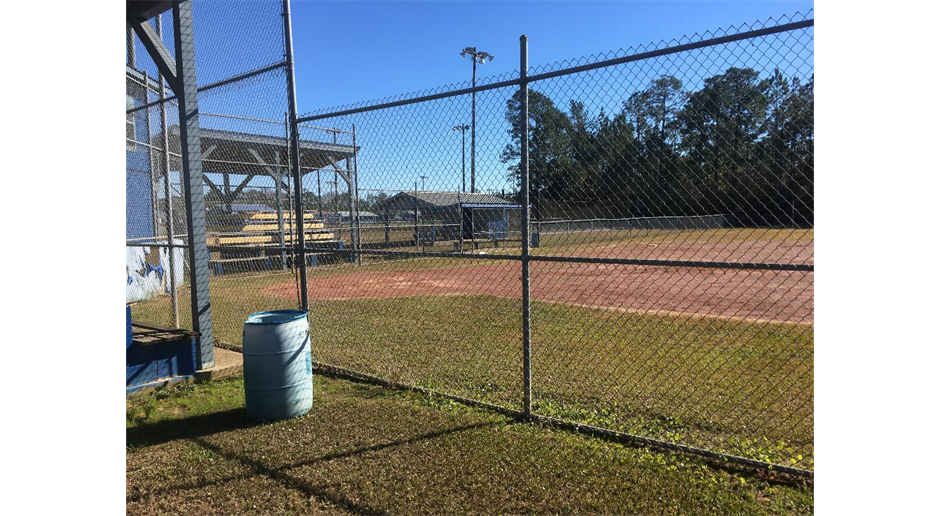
column 276, row 316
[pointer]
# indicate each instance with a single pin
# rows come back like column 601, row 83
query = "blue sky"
column 352, row 51
column 349, row 52
column 356, row 51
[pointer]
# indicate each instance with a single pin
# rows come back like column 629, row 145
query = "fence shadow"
column 150, row 434
column 281, row 474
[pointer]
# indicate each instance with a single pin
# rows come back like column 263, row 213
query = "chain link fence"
column 621, row 244
column 250, row 228
column 666, row 291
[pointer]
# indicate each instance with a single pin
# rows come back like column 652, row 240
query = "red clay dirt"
column 755, row 295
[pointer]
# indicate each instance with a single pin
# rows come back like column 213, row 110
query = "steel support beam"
column 168, row 193
column 131, row 48
column 339, row 170
column 241, row 186
column 276, row 174
column 215, row 188
column 191, row 150
column 159, row 53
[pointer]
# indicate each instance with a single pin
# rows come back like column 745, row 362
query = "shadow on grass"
column 149, row 434
column 280, row 475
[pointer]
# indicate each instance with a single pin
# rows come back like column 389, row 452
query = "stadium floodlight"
column 475, row 57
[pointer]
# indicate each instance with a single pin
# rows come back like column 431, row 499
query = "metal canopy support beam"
column 131, row 48
column 144, row 10
column 227, row 193
column 241, row 186
column 357, row 236
column 350, row 182
column 276, row 175
column 215, row 188
column 339, row 170
column 158, row 52
column 191, row 151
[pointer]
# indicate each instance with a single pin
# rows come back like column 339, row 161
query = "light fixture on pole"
column 463, row 154
column 477, row 57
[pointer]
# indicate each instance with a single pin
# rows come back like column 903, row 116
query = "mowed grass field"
column 367, row 450
column 729, row 385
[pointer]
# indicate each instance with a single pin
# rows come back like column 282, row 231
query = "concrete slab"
column 227, row 363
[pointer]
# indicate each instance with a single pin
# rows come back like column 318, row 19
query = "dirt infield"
column 781, row 296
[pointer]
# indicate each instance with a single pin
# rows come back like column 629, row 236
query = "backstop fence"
column 620, row 244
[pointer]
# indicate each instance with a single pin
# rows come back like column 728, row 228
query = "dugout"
column 451, row 216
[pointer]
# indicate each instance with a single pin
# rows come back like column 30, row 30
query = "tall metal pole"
column 193, row 179
column 335, row 191
column 355, row 175
column 319, row 197
column 460, row 222
column 352, row 208
column 417, row 233
column 524, row 173
column 287, row 167
column 295, row 152
column 154, row 187
column 463, row 157
column 473, row 130
column 278, row 204
column 463, row 154
column 168, row 192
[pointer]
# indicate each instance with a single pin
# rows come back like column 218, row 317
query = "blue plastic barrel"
column 277, row 365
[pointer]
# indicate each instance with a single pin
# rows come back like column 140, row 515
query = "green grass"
column 555, row 242
column 711, row 383
column 742, row 388
column 368, row 450
column 579, row 241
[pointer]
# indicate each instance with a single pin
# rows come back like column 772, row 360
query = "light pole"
column 476, row 57
column 463, row 153
column 422, row 182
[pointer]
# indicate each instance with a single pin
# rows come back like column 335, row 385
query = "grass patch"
column 364, row 449
column 740, row 387
column 587, row 239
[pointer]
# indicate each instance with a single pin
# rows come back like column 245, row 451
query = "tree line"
column 741, row 145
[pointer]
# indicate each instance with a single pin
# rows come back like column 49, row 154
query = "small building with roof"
column 454, row 215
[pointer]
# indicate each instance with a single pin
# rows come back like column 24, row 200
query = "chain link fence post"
column 295, row 154
column 524, row 189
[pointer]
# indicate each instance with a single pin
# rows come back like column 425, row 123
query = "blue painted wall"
column 139, row 207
